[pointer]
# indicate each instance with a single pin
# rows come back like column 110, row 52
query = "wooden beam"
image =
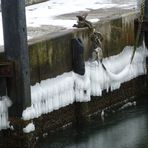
column 16, row 50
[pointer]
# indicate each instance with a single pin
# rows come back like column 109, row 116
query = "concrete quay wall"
column 51, row 55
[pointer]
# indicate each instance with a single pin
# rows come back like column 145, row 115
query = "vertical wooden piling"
column 16, row 50
column 2, row 87
column 146, row 19
column 146, row 9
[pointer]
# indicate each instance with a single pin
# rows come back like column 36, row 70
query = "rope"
column 97, row 38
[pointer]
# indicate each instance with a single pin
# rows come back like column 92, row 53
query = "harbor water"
column 126, row 128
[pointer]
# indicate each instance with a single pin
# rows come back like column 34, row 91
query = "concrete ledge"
column 50, row 55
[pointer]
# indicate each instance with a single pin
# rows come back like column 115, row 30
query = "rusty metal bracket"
column 6, row 69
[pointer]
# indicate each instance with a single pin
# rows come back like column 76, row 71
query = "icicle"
column 4, row 104
column 54, row 93
column 119, row 76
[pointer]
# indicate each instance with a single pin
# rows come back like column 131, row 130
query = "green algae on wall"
column 49, row 58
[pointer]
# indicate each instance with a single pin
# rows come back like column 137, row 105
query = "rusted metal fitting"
column 82, row 22
column 6, row 69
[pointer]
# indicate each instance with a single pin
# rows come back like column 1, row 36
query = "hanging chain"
column 95, row 37
column 140, row 19
column 142, row 11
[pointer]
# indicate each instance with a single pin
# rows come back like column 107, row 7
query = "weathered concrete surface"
column 50, row 55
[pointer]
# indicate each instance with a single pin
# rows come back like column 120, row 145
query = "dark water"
column 124, row 129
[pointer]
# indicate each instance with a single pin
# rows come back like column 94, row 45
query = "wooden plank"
column 2, row 87
column 16, row 50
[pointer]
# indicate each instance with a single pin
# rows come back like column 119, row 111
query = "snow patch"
column 129, row 104
column 29, row 128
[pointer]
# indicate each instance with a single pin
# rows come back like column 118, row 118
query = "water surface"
column 124, row 129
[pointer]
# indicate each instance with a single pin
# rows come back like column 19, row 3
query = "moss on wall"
column 49, row 58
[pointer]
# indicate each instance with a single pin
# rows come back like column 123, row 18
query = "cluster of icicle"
column 54, row 93
column 119, row 69
column 4, row 104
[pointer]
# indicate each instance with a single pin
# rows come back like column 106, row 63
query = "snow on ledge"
column 54, row 93
column 46, row 13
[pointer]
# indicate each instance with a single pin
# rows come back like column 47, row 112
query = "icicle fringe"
column 4, row 104
column 52, row 94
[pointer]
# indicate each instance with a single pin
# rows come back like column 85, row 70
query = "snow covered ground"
column 46, row 13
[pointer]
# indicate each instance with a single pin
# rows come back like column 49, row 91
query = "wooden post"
column 2, row 87
column 146, row 20
column 146, row 9
column 16, row 50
